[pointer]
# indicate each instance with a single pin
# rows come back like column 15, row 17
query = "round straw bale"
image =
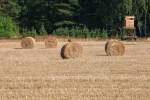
column 107, row 45
column 148, row 39
column 114, row 48
column 69, row 40
column 71, row 50
column 28, row 43
column 51, row 42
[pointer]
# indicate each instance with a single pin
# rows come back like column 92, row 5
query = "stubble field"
column 41, row 74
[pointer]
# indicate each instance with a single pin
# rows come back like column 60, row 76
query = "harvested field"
column 41, row 73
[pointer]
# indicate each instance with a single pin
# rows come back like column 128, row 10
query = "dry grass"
column 41, row 74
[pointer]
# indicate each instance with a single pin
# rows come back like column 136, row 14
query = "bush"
column 33, row 32
column 42, row 30
column 78, row 32
column 8, row 28
column 29, row 33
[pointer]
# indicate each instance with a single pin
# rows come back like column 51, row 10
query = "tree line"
column 49, row 16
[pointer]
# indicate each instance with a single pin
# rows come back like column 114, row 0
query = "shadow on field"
column 18, row 48
column 90, row 45
column 104, row 55
column 130, row 44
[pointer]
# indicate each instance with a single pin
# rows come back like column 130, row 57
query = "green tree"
column 50, row 13
column 9, row 8
column 8, row 27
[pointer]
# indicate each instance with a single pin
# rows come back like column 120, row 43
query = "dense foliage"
column 41, row 16
column 7, row 27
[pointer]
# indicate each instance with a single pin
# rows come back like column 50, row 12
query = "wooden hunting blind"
column 129, row 22
column 129, row 27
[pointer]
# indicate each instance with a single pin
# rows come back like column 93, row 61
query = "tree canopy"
column 52, row 14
